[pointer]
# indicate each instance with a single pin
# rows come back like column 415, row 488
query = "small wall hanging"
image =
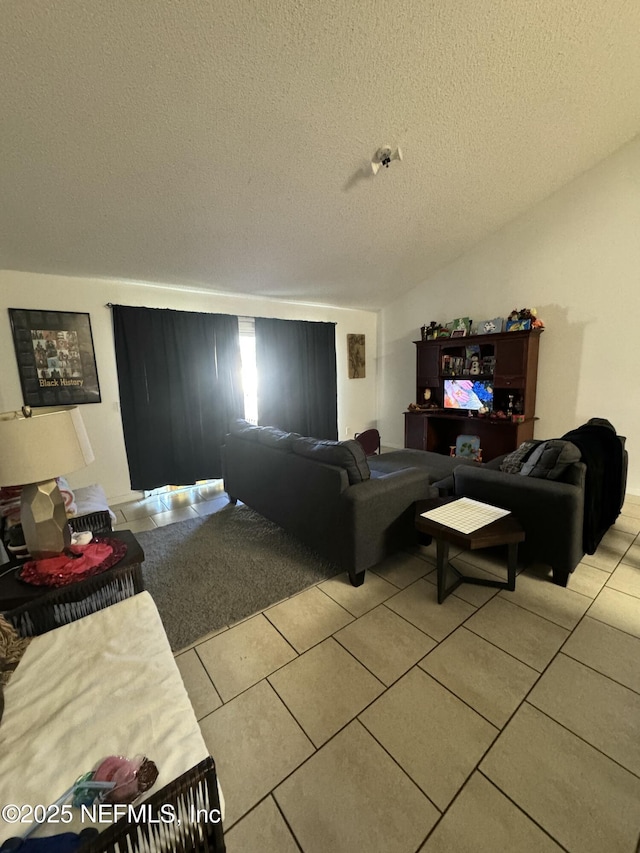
column 356, row 356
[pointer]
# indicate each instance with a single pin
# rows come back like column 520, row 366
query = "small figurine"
column 525, row 314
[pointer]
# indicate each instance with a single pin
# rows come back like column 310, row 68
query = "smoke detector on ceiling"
column 383, row 157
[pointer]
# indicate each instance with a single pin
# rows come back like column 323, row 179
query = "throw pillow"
column 513, row 462
column 344, row 454
column 90, row 499
column 68, row 497
column 550, row 459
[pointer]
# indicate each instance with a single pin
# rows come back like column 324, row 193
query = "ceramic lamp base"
column 44, row 520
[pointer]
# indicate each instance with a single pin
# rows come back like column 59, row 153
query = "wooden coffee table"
column 505, row 531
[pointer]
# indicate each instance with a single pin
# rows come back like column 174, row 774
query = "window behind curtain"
column 297, row 385
column 247, row 329
column 179, row 374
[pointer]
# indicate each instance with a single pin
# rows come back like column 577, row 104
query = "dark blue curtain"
column 179, row 374
column 297, row 386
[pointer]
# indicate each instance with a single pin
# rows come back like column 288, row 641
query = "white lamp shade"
column 42, row 447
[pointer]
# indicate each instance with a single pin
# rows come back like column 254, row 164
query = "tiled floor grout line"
column 584, row 740
column 496, row 646
column 388, row 687
column 597, row 671
column 608, row 624
column 444, row 686
column 269, row 795
column 534, row 613
column 395, row 760
column 524, row 812
column 335, row 601
column 526, row 696
column 499, row 729
column 502, row 728
column 208, row 674
column 286, row 822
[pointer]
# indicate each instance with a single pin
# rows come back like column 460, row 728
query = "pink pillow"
column 68, row 497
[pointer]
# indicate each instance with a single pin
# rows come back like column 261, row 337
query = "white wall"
column 576, row 258
column 356, row 397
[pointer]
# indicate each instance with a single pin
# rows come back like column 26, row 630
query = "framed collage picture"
column 56, row 361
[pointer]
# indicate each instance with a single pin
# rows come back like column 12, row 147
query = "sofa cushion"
column 550, row 459
column 277, row 438
column 436, row 466
column 267, row 435
column 512, row 463
column 245, row 429
column 343, row 454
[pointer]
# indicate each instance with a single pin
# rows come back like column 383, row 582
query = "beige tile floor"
column 374, row 720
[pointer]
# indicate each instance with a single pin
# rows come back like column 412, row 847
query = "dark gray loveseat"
column 352, row 509
column 553, row 494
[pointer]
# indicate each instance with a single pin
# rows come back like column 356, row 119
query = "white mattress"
column 104, row 685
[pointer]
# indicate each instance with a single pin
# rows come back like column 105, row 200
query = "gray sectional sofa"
column 352, row 509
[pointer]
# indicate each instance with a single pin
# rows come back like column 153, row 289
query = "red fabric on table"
column 92, row 559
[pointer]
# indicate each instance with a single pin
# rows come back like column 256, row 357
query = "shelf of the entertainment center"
column 451, row 416
column 488, row 377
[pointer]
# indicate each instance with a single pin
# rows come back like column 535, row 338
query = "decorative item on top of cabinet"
column 461, row 327
column 490, row 327
column 430, row 332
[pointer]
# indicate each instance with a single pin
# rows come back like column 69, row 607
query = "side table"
column 505, row 531
column 36, row 609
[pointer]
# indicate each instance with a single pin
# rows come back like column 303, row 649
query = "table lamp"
column 34, row 450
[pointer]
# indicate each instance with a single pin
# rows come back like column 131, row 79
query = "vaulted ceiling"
column 228, row 143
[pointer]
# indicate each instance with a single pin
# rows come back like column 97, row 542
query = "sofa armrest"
column 551, row 512
column 377, row 517
column 498, row 485
column 445, row 487
column 388, row 492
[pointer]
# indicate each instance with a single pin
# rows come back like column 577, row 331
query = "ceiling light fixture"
column 383, row 157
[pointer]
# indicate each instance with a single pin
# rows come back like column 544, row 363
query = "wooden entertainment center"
column 506, row 363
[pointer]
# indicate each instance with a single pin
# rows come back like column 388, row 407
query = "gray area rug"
column 206, row 573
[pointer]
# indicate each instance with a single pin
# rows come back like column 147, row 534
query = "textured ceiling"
column 225, row 143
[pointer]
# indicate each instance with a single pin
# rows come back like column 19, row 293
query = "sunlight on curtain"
column 247, row 329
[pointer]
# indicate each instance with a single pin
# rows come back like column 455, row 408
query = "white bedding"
column 104, row 685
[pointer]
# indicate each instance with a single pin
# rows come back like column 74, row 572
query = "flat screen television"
column 468, row 394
